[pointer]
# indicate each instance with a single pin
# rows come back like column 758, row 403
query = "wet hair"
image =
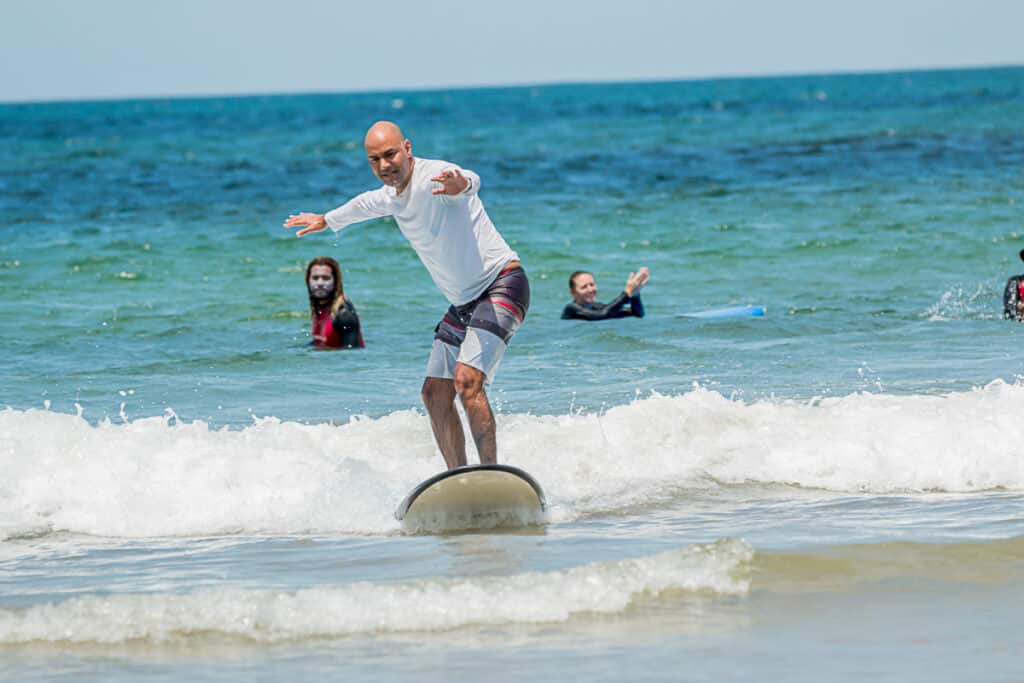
column 1022, row 254
column 572, row 278
column 338, row 295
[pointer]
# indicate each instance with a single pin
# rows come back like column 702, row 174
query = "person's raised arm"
column 633, row 284
column 636, row 280
column 346, row 324
column 456, row 181
column 636, row 306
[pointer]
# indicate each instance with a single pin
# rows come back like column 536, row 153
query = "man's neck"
column 412, row 169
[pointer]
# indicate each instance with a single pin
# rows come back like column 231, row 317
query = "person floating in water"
column 1013, row 296
column 334, row 317
column 438, row 210
column 584, row 294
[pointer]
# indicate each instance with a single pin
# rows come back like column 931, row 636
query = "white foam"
column 638, row 453
column 160, row 477
column 967, row 302
column 423, row 605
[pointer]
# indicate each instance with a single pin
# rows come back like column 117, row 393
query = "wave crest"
column 163, row 477
column 422, row 605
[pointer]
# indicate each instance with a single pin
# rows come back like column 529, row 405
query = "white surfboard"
column 473, row 497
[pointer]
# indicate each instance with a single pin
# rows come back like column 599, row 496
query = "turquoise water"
column 188, row 491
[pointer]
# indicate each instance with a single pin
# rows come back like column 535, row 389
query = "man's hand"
column 637, row 280
column 452, row 181
column 314, row 222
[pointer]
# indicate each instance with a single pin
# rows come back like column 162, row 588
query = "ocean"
column 833, row 492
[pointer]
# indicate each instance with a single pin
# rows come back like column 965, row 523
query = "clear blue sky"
column 73, row 49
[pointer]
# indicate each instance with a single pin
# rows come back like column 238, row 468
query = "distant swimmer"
column 438, row 210
column 584, row 293
column 334, row 317
column 1013, row 296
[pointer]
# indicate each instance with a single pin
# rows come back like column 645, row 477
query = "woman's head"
column 582, row 287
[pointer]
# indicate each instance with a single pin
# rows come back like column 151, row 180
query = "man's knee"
column 437, row 391
column 469, row 382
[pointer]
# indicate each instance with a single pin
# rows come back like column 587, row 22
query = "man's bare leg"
column 469, row 385
column 439, row 398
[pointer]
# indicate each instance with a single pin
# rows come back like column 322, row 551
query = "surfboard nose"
column 473, row 497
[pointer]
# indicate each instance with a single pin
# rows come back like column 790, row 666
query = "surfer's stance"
column 437, row 209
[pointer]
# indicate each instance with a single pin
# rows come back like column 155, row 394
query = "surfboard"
column 473, row 497
column 748, row 311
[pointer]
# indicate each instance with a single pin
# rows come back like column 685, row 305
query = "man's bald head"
column 389, row 154
column 383, row 131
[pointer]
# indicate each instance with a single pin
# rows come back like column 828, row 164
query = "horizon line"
column 508, row 85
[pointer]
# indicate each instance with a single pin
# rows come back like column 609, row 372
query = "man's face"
column 390, row 158
column 321, row 282
column 584, row 289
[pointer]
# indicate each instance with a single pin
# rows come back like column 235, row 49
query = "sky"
column 97, row 49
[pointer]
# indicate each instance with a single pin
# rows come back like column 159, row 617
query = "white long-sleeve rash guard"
column 452, row 235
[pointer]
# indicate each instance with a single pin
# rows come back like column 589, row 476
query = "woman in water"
column 584, row 305
column 1013, row 296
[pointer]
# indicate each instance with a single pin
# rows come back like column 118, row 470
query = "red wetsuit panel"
column 340, row 331
column 323, row 329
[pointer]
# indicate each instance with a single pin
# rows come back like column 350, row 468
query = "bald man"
column 438, row 210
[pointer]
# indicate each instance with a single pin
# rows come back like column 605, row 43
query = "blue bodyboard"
column 748, row 311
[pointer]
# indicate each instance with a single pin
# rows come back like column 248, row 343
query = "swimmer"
column 334, row 317
column 1013, row 296
column 584, row 306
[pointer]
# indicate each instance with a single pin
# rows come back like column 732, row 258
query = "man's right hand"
column 314, row 222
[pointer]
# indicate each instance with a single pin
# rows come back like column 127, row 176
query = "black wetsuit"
column 346, row 326
column 622, row 306
column 1011, row 297
column 340, row 332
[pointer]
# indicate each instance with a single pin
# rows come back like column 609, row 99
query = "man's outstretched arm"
column 309, row 222
column 363, row 207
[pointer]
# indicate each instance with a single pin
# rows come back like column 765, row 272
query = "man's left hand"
column 452, row 182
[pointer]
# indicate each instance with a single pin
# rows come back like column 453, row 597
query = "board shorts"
column 476, row 334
